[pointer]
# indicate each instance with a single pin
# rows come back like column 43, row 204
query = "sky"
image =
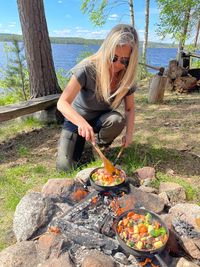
column 65, row 19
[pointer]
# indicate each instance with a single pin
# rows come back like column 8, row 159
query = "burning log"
column 79, row 194
column 85, row 237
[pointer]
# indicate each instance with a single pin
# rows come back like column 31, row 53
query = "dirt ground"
column 163, row 133
column 173, row 125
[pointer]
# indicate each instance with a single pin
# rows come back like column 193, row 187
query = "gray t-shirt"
column 86, row 102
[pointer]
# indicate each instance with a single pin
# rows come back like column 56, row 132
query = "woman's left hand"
column 127, row 140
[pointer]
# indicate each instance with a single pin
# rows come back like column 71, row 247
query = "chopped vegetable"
column 101, row 177
column 141, row 232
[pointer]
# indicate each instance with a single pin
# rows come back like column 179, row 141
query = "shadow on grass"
column 136, row 156
column 163, row 159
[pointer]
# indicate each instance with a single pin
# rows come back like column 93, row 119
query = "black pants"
column 107, row 127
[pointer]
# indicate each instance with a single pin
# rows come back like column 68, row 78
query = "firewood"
column 174, row 71
column 157, row 89
column 185, row 84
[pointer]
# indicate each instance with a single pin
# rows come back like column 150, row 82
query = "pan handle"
column 118, row 156
column 163, row 264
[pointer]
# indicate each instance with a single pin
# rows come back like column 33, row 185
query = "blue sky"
column 65, row 19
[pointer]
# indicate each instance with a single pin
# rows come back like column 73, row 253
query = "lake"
column 66, row 55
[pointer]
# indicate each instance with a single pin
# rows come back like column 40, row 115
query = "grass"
column 192, row 193
column 10, row 129
column 165, row 137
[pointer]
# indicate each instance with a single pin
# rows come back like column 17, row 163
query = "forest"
column 76, row 40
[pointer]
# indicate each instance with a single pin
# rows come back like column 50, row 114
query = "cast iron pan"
column 102, row 188
column 137, row 252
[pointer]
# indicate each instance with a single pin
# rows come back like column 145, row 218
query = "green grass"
column 10, row 129
column 192, row 193
column 16, row 181
column 6, row 99
column 153, row 146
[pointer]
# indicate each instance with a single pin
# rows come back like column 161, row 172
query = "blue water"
column 66, row 55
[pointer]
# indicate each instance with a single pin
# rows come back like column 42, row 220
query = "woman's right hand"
column 85, row 130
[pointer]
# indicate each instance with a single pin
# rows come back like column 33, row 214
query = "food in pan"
column 141, row 232
column 102, row 178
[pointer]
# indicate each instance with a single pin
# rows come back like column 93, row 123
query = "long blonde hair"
column 120, row 35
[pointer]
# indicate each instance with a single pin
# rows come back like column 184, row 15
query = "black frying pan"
column 102, row 188
column 137, row 252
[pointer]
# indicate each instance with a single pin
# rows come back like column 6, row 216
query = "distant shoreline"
column 4, row 37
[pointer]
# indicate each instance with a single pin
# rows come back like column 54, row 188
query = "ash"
column 183, row 228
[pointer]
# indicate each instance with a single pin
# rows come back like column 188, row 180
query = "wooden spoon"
column 107, row 164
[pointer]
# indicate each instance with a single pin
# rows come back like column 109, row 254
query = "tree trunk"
column 157, row 88
column 197, row 34
column 144, row 49
column 38, row 51
column 131, row 8
column 185, row 29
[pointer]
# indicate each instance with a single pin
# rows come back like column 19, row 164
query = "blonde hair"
column 120, row 35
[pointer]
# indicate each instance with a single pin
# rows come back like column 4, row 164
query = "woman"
column 97, row 87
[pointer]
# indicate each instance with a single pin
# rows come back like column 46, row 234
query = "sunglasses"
column 124, row 61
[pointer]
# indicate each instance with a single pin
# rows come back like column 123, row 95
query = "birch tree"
column 146, row 31
column 99, row 12
column 178, row 19
column 197, row 34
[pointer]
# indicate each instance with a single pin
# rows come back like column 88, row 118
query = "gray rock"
column 62, row 261
column 22, row 254
column 84, row 174
column 191, row 248
column 121, row 258
column 175, row 192
column 97, row 259
column 32, row 212
column 164, row 196
column 185, row 263
column 146, row 172
column 187, row 212
column 138, row 198
column 57, row 187
column 148, row 189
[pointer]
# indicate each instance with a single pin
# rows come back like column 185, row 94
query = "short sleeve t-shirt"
column 86, row 102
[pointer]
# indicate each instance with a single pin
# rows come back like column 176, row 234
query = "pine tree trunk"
column 38, row 51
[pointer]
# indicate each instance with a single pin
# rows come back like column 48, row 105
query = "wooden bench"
column 13, row 111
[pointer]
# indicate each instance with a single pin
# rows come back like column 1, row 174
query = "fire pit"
column 72, row 219
column 90, row 222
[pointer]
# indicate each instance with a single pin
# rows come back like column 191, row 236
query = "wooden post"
column 157, row 89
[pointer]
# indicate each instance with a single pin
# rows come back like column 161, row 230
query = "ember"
column 79, row 194
column 54, row 230
column 91, row 223
column 147, row 260
column 116, row 207
column 82, row 225
column 94, row 200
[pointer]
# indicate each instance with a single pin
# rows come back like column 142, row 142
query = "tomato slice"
column 130, row 214
column 143, row 229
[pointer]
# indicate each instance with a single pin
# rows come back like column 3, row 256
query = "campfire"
column 91, row 222
column 81, row 219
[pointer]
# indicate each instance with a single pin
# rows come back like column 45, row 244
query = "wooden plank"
column 194, row 55
column 27, row 107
